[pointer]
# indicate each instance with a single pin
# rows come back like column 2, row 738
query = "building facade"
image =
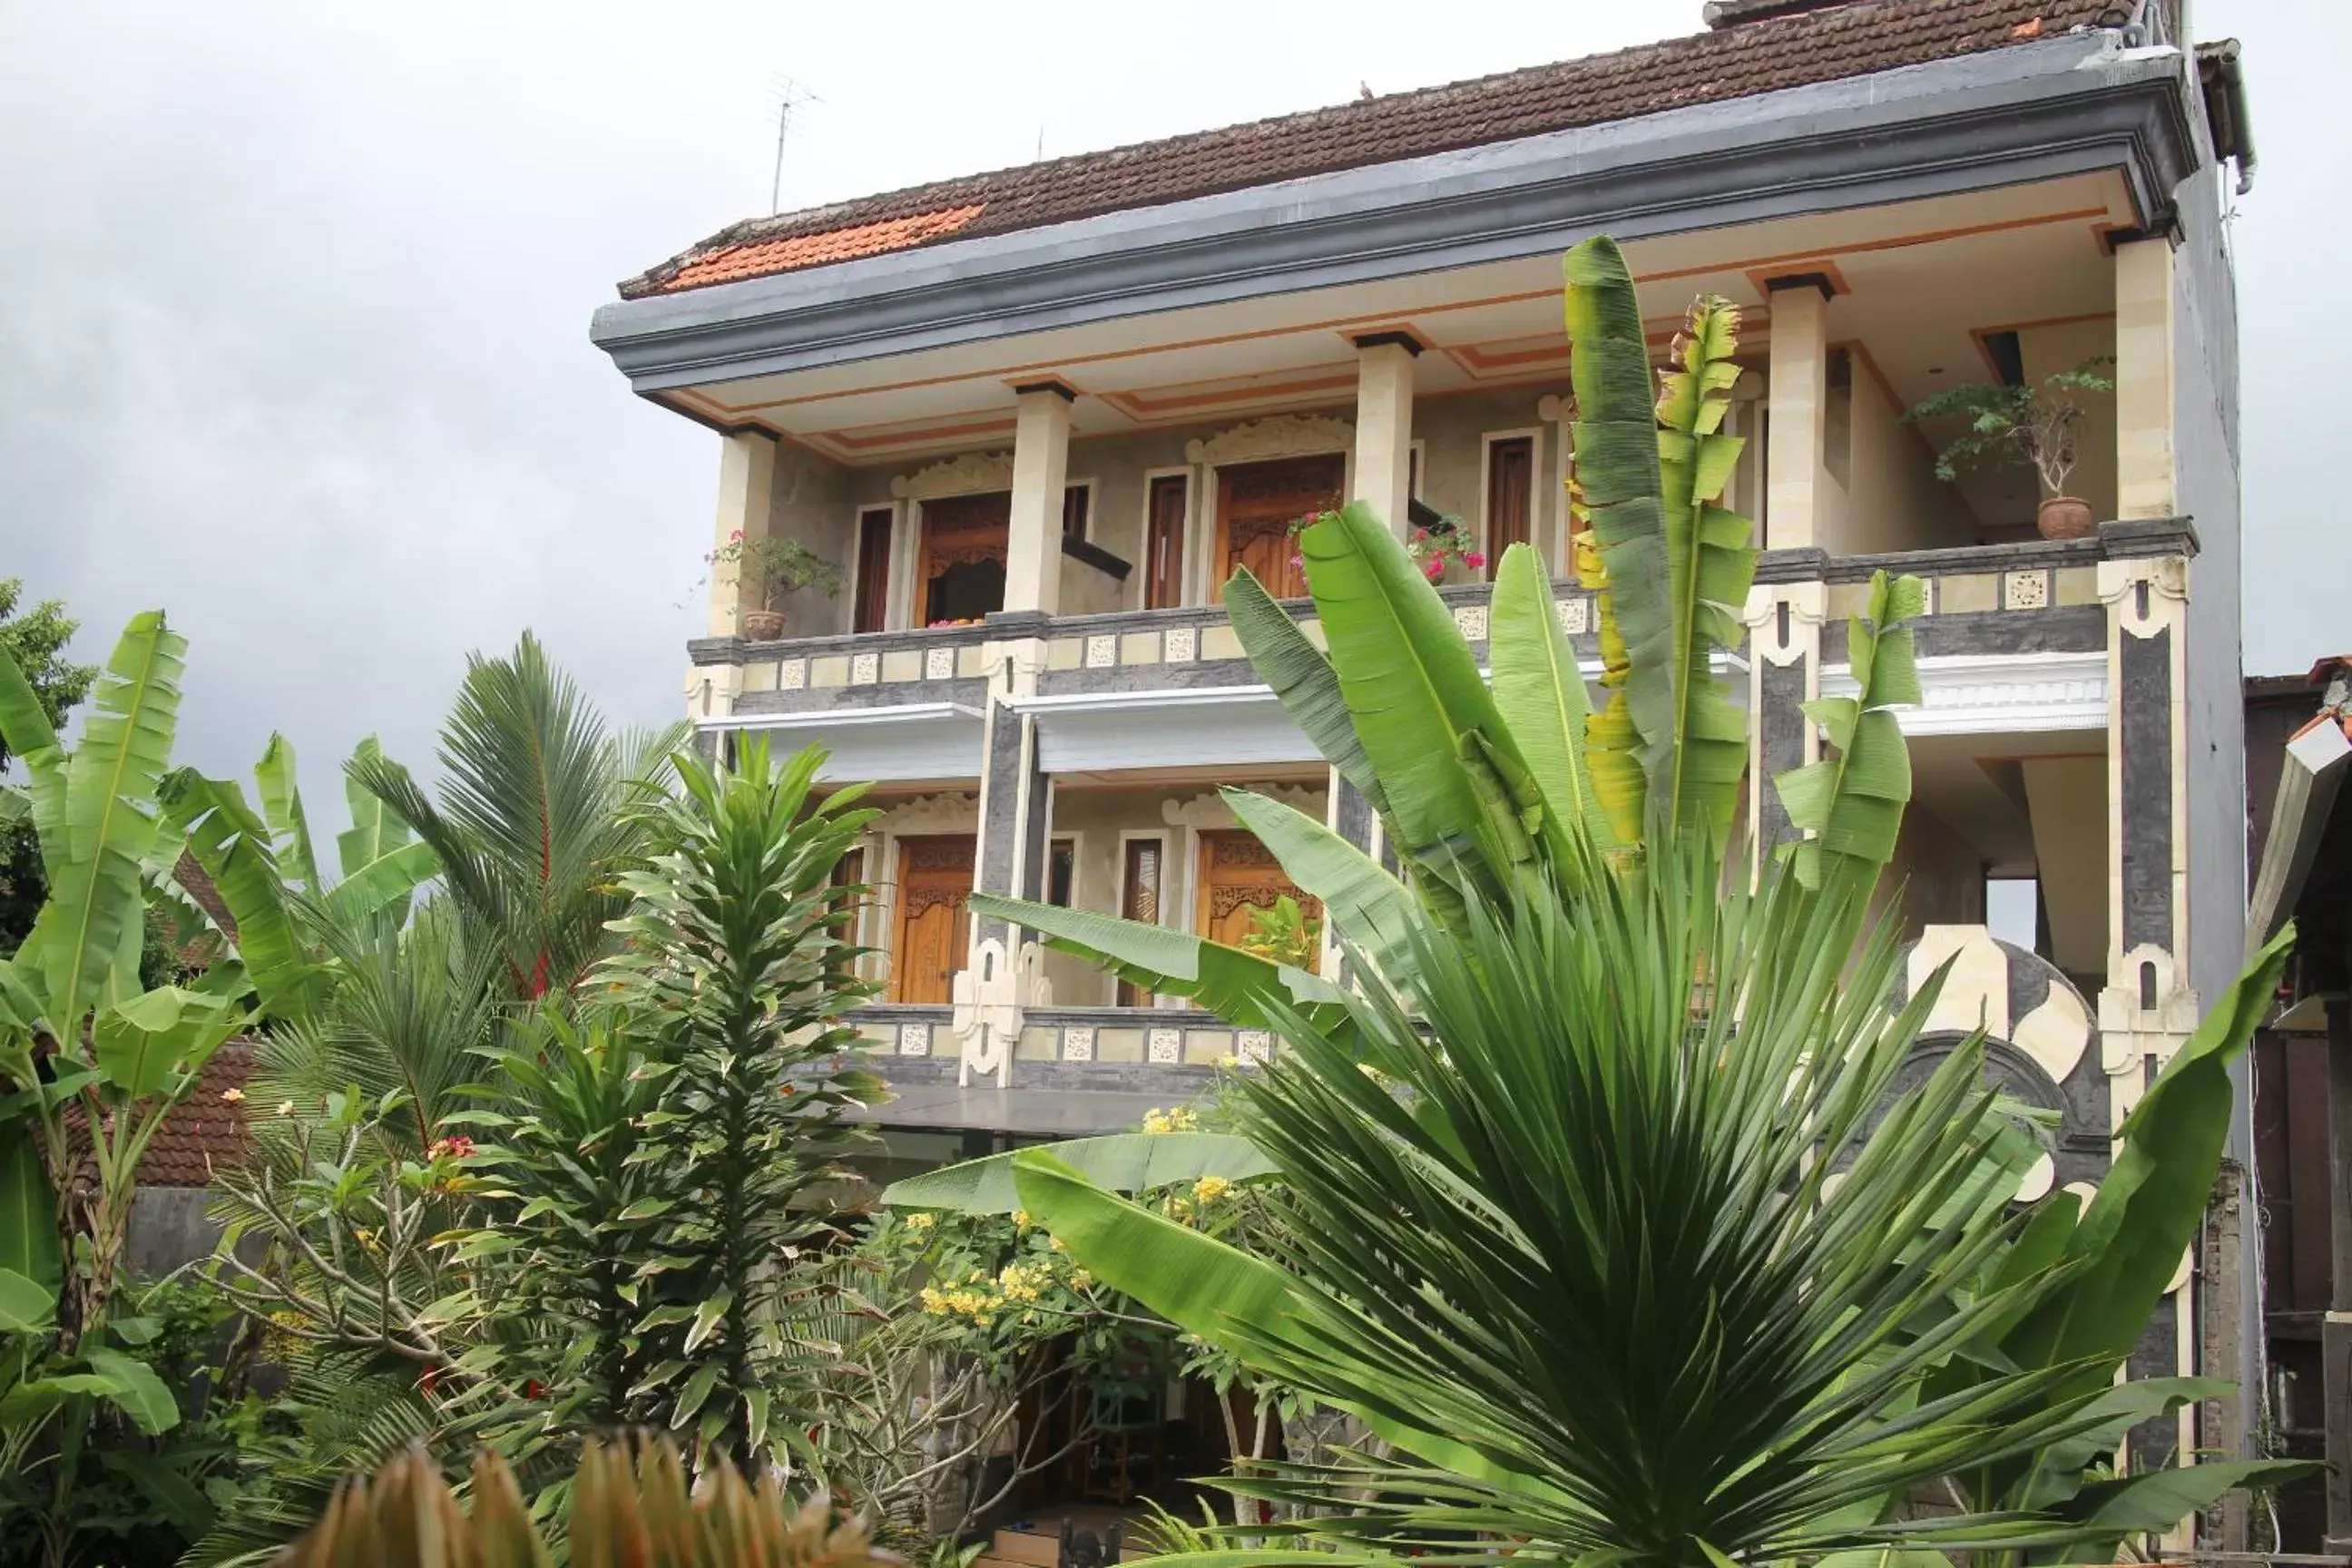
column 1037, row 417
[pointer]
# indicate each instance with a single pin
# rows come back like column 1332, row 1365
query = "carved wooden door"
column 934, row 881
column 960, row 573
column 1238, row 874
column 1257, row 504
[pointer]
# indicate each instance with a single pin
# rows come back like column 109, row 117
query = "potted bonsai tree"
column 2033, row 424
column 773, row 567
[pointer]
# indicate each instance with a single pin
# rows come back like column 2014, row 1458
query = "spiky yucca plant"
column 628, row 1507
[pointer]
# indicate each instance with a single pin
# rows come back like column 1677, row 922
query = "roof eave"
column 2061, row 107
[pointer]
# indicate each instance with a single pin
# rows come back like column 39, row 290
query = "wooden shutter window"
column 1510, row 495
column 1163, row 548
column 872, row 607
column 1139, row 900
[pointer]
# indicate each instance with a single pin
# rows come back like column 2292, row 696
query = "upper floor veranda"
column 1104, row 416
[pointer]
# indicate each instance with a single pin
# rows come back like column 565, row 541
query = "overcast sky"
column 294, row 298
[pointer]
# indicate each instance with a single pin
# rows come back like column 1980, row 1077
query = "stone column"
column 1349, row 816
column 2148, row 1009
column 1041, row 463
column 1384, row 426
column 1793, row 501
column 1784, row 672
column 2146, row 483
column 747, row 488
column 1004, row 971
column 1552, row 517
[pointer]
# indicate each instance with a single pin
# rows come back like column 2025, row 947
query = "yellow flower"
column 1057, row 1244
column 1020, row 1219
column 921, row 1220
column 233, row 1095
column 1080, row 1280
column 1208, row 1189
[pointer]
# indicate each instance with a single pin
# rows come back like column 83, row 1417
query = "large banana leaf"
column 25, row 727
column 1417, row 701
column 233, row 847
column 143, row 1043
column 1227, row 1297
column 29, row 1210
column 1852, row 801
column 1620, row 493
column 1540, row 691
column 1368, row 905
column 1226, row 980
column 281, row 807
column 1712, row 560
column 1122, row 1163
column 389, row 879
column 376, row 829
column 1302, row 679
column 95, row 909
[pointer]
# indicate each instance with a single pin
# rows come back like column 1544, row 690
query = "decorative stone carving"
column 1254, row 1045
column 2025, row 590
column 1210, row 811
column 1277, row 435
column 1164, row 1045
column 914, row 1039
column 971, row 473
column 1102, row 650
column 865, row 668
column 1471, row 621
column 1182, row 645
column 1079, row 1043
column 939, row 664
column 791, row 675
column 2148, row 592
column 1575, row 616
column 933, row 813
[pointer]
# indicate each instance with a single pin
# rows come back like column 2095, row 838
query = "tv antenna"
column 791, row 94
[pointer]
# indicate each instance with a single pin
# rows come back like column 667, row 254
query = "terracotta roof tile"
column 1824, row 44
column 204, row 1130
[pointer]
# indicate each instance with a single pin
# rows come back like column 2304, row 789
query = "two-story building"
column 1037, row 416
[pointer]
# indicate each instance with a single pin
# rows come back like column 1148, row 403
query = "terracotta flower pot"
column 767, row 625
column 2066, row 517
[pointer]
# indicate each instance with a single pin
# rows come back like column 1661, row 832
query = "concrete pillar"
column 2146, row 483
column 1553, row 523
column 1384, row 426
column 747, row 488
column 1003, row 973
column 1784, row 672
column 2147, row 1008
column 1040, row 466
column 1795, row 508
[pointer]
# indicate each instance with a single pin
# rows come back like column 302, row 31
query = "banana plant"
column 259, row 872
column 91, row 1062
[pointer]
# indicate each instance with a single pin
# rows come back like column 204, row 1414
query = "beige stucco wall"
column 1890, row 498
column 814, row 501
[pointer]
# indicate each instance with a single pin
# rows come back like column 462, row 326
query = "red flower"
column 1433, row 568
column 1473, row 561
column 534, row 1389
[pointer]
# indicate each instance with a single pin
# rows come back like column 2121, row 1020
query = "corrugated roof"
column 1738, row 60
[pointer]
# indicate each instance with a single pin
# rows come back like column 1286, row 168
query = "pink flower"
column 1299, row 561
column 451, row 1148
column 737, row 534
column 1433, row 568
column 1473, row 561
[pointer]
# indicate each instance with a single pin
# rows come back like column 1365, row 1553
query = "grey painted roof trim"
column 2070, row 105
